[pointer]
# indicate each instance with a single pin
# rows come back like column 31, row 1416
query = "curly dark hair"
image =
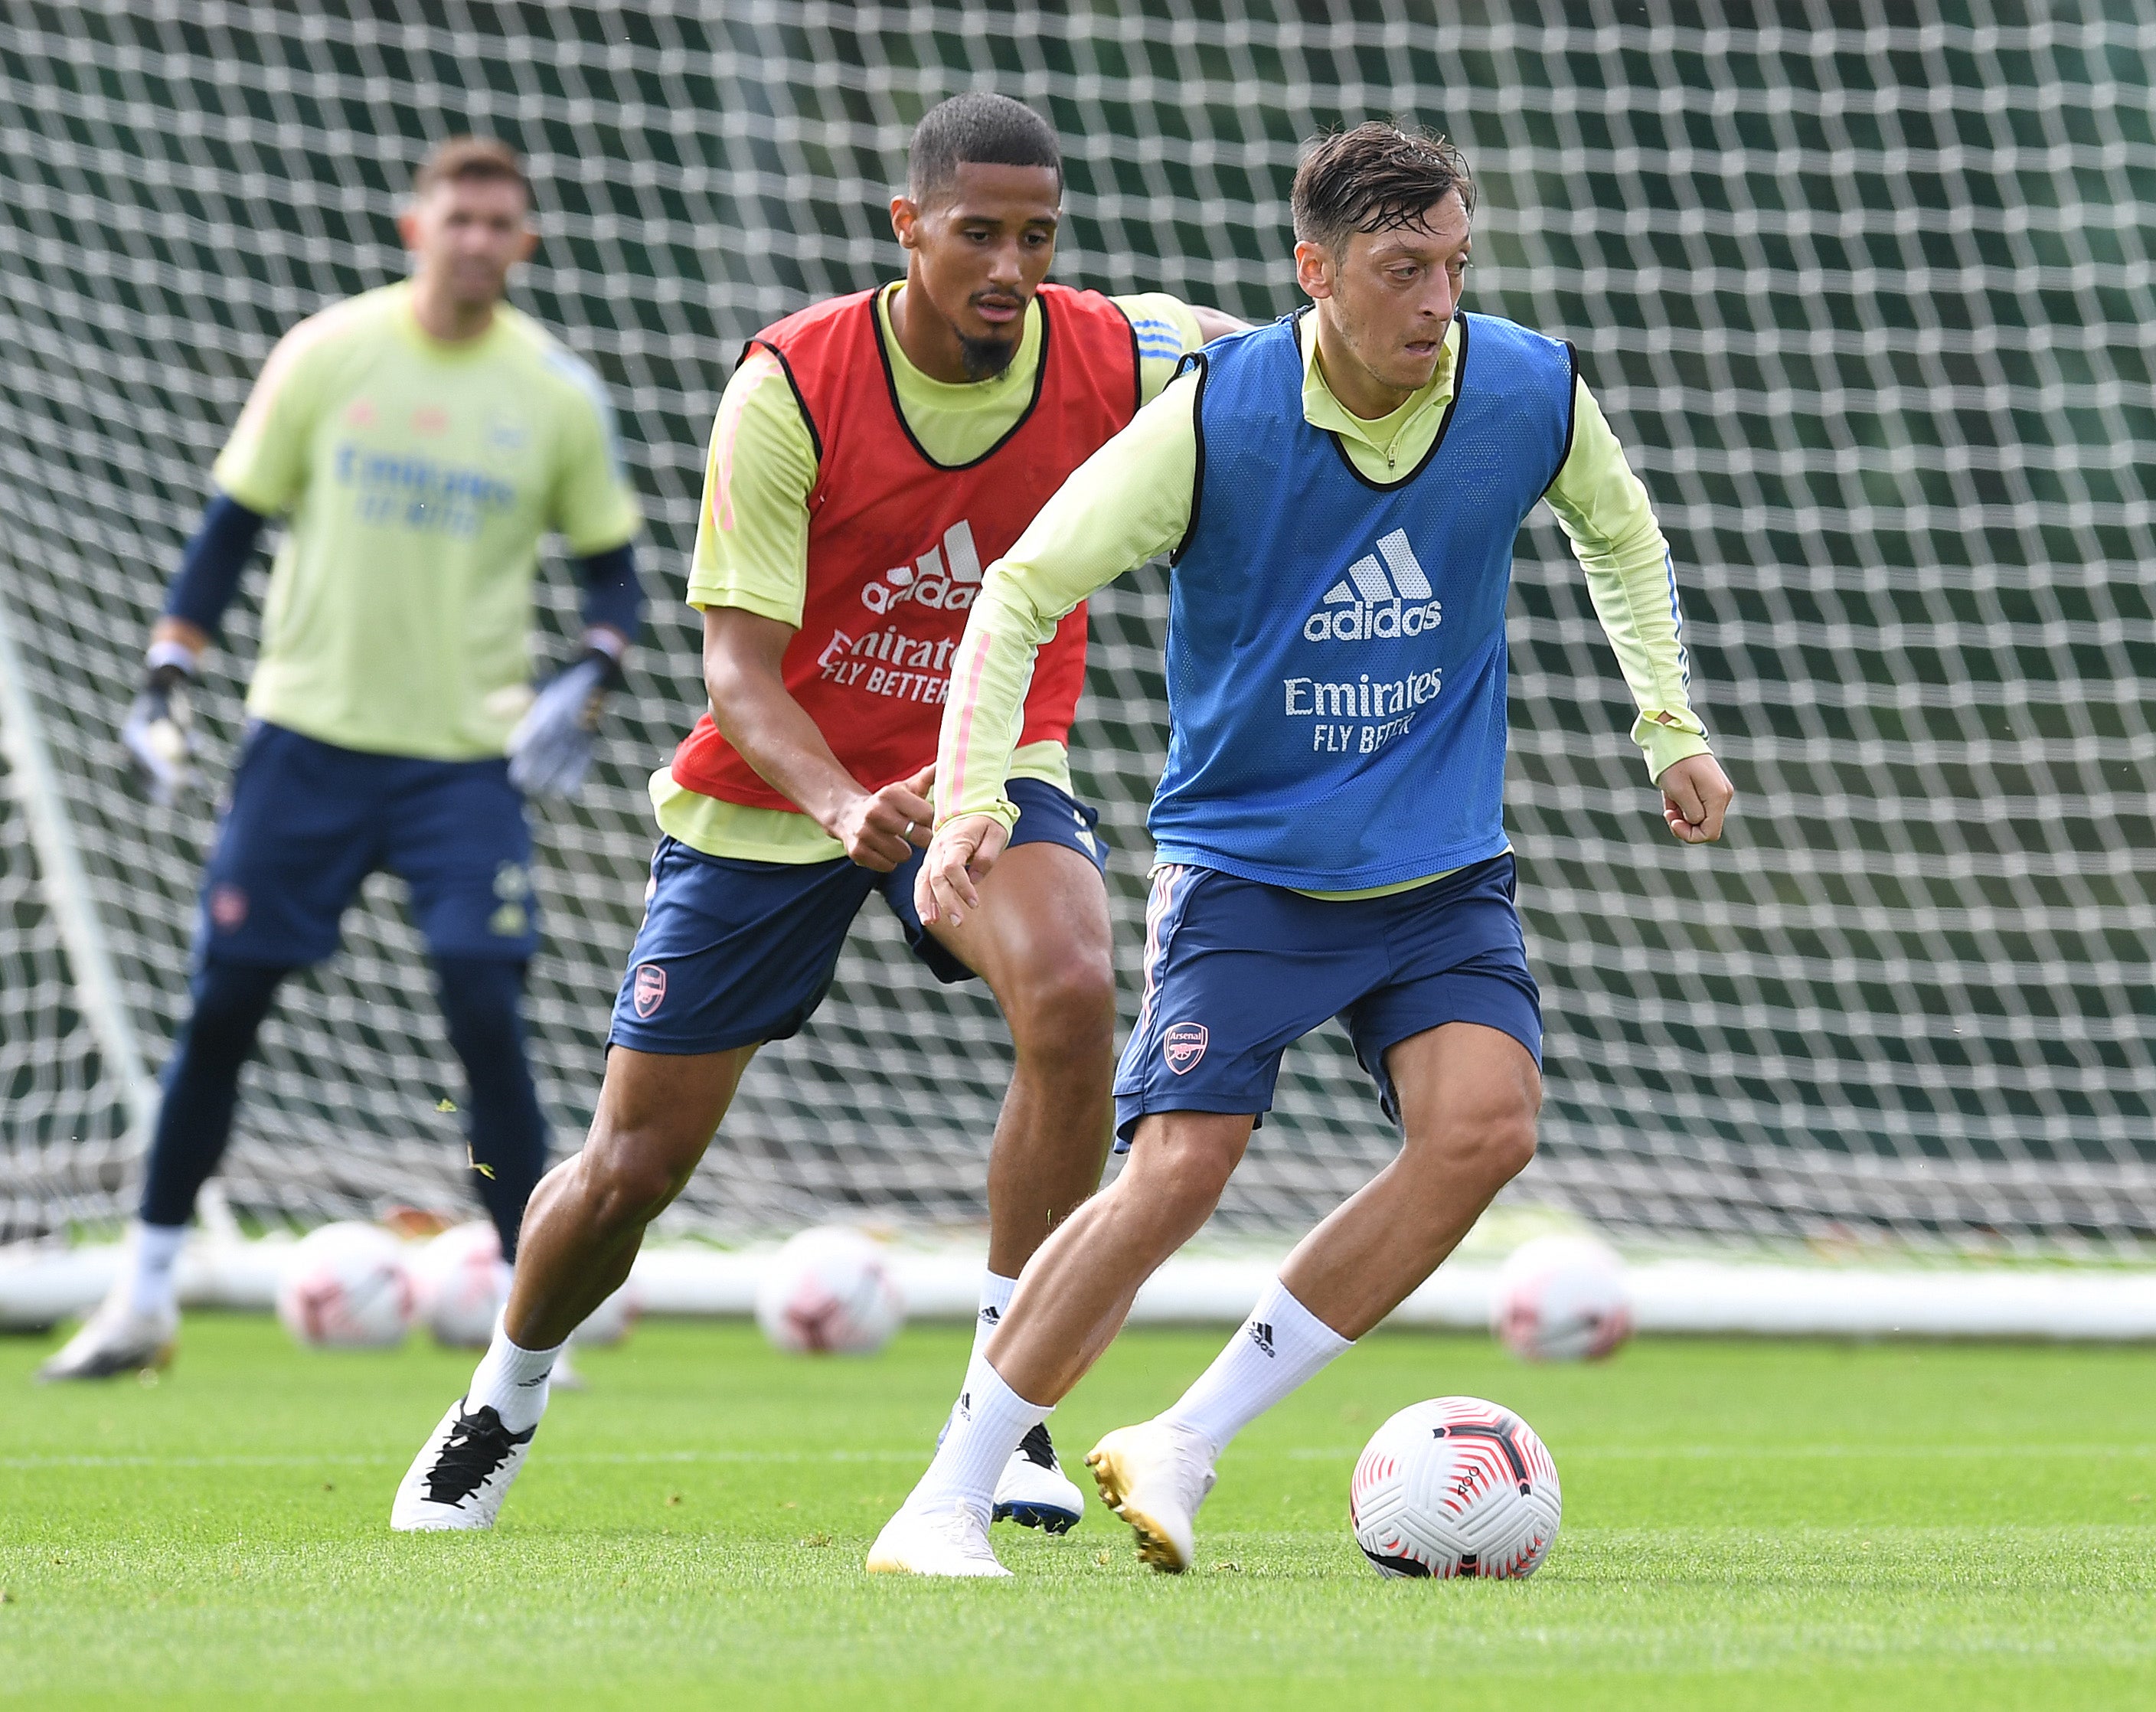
column 1376, row 178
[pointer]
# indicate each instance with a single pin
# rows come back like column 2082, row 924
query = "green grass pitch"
column 1746, row 1524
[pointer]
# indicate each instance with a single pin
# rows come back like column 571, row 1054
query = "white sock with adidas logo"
column 985, row 1428
column 1278, row 1347
column 996, row 1293
column 513, row 1381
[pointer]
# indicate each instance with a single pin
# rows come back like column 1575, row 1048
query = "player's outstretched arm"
column 1128, row 501
column 743, row 652
column 1696, row 798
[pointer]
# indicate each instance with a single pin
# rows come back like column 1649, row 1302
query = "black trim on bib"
column 1459, row 387
column 1195, row 362
column 801, row 401
column 897, row 410
column 1571, row 417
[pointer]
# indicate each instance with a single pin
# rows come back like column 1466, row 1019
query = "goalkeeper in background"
column 419, row 440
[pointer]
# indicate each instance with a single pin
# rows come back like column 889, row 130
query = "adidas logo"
column 1384, row 594
column 944, row 579
column 1261, row 1335
column 989, row 1316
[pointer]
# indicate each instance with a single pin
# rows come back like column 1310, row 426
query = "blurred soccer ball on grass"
column 348, row 1285
column 828, row 1290
column 1562, row 1298
column 460, row 1279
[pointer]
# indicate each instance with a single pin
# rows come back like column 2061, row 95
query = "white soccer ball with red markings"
column 346, row 1286
column 829, row 1290
column 1562, row 1298
column 1454, row 1487
column 459, row 1277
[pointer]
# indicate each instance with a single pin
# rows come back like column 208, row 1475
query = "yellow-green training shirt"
column 751, row 547
column 417, row 477
column 1130, row 502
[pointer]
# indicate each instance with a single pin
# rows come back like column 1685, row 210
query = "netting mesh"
column 1866, row 299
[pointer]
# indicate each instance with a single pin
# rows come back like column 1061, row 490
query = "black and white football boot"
column 458, row 1479
column 1034, row 1491
column 114, row 1340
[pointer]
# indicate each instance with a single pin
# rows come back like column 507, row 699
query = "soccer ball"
column 828, row 1289
column 1562, row 1298
column 346, row 1286
column 1454, row 1487
column 458, row 1276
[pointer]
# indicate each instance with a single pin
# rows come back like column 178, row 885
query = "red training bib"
column 897, row 542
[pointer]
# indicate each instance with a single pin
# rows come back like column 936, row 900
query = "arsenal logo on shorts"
column 1183, row 1045
column 649, row 990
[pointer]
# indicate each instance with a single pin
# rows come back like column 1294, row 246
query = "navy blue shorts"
column 733, row 953
column 306, row 822
column 1237, row 971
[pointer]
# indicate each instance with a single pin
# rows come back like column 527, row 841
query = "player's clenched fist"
column 964, row 851
column 1695, row 797
column 883, row 829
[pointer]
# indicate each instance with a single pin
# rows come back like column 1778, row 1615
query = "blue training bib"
column 1336, row 646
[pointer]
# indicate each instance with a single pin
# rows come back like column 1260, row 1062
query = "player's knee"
column 231, row 1000
column 482, row 1003
column 1185, row 1172
column 627, row 1182
column 1492, row 1142
column 1065, row 1010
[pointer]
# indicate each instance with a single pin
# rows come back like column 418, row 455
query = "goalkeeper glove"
column 159, row 732
column 550, row 749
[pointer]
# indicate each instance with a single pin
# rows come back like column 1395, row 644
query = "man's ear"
column 407, row 227
column 531, row 243
column 1313, row 269
column 905, row 215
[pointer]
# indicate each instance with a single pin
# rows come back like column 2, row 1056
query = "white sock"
column 986, row 1426
column 153, row 1253
column 996, row 1293
column 1281, row 1345
column 514, row 1380
column 995, row 1300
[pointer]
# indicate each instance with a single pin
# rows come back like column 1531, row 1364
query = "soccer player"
column 1341, row 492
column 419, row 440
column 871, row 453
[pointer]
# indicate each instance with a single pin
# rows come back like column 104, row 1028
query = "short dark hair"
column 468, row 157
column 1374, row 178
column 984, row 129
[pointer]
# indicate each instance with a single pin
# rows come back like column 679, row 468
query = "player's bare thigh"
column 657, row 1113
column 1041, row 939
column 1455, row 1082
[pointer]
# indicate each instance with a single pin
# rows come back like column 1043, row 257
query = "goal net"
column 1865, row 299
